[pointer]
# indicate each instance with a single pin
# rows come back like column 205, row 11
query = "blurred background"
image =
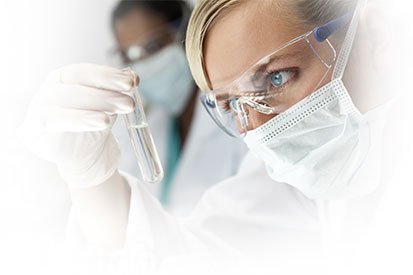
column 37, row 37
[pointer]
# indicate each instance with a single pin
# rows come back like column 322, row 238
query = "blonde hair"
column 207, row 12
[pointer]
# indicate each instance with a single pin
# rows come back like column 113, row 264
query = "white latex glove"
column 69, row 121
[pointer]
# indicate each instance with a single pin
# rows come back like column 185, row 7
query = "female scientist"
column 283, row 75
column 149, row 35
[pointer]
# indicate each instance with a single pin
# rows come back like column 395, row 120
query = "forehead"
column 137, row 26
column 244, row 35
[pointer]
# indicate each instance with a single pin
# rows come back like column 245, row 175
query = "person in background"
column 150, row 37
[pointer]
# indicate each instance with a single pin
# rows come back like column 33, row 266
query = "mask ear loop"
column 344, row 55
column 347, row 46
column 324, row 62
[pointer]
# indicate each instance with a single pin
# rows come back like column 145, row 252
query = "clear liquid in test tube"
column 142, row 141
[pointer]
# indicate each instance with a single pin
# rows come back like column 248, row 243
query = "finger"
column 101, row 77
column 92, row 99
column 69, row 120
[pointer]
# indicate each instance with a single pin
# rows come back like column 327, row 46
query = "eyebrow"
column 298, row 55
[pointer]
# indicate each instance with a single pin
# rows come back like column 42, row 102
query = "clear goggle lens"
column 271, row 86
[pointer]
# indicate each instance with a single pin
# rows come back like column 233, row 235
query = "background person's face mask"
column 322, row 145
column 165, row 79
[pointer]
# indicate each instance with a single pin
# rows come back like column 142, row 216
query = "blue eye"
column 233, row 103
column 280, row 78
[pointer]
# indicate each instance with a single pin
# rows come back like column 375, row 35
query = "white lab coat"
column 250, row 224
column 209, row 156
column 243, row 223
column 248, row 216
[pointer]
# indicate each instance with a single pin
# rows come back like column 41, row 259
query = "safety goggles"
column 158, row 39
column 276, row 82
column 157, row 42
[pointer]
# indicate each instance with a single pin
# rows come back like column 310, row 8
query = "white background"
column 36, row 37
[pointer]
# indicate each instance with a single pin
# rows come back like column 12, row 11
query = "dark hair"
column 175, row 12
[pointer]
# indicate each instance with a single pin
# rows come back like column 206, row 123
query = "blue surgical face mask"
column 165, row 79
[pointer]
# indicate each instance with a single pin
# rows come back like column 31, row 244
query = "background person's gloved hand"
column 69, row 121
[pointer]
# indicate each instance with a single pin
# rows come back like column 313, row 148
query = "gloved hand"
column 70, row 119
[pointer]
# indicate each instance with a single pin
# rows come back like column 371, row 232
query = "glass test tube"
column 142, row 141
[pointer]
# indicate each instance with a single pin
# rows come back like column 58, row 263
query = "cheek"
column 256, row 119
column 318, row 75
column 313, row 77
column 126, row 37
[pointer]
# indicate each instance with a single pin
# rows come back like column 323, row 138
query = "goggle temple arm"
column 325, row 31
